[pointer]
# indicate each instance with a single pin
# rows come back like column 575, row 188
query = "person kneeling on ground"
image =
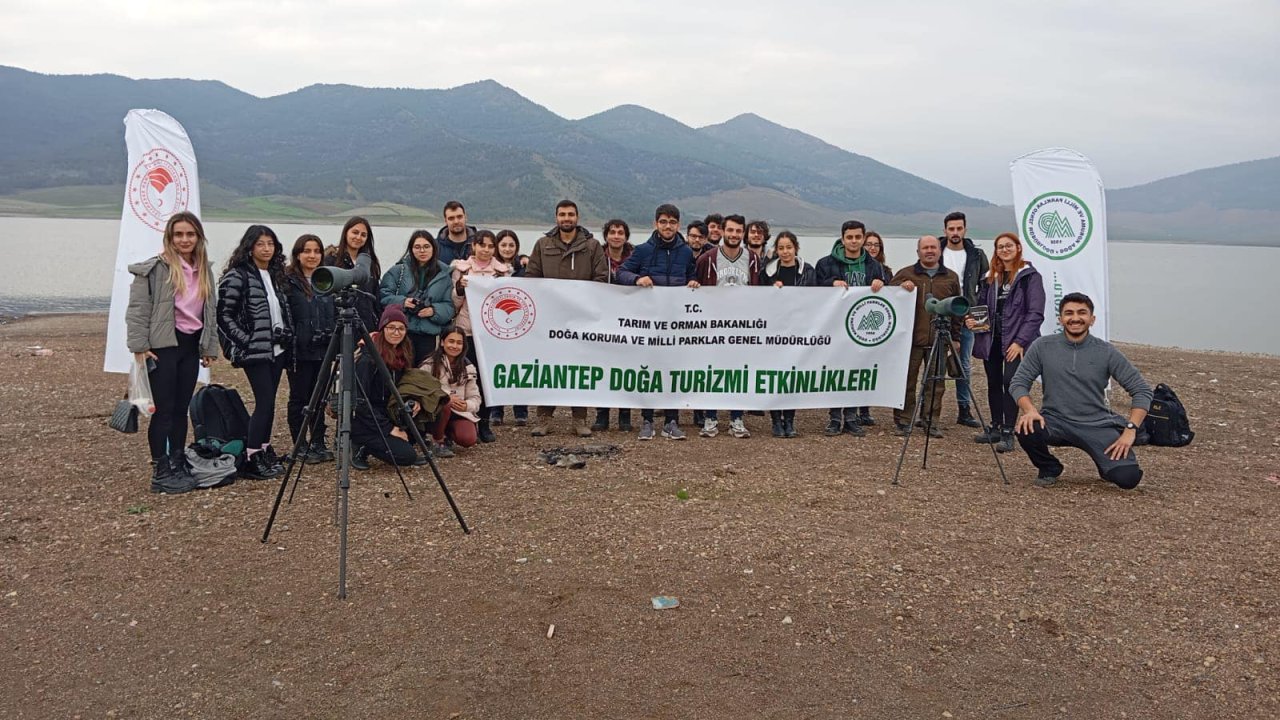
column 458, row 419
column 1075, row 368
column 373, row 432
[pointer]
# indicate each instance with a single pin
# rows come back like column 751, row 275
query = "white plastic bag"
column 140, row 389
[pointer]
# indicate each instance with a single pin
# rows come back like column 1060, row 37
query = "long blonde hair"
column 199, row 257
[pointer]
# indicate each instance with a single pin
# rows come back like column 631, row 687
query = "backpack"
column 220, row 421
column 1166, row 422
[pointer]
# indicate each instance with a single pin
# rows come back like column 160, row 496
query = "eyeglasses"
column 421, row 247
column 394, row 329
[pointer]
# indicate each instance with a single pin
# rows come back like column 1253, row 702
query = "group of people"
column 268, row 320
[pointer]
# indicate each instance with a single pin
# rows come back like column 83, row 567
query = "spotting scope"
column 955, row 306
column 331, row 279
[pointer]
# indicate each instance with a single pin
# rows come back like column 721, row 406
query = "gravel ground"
column 808, row 585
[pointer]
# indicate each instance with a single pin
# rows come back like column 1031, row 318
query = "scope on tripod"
column 948, row 307
column 331, row 279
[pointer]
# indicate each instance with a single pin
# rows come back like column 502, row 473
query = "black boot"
column 966, row 418
column 864, row 417
column 602, row 420
column 319, row 452
column 789, row 427
column 485, row 433
column 624, row 420
column 359, row 458
column 165, row 480
column 989, row 436
column 778, row 429
column 1006, row 440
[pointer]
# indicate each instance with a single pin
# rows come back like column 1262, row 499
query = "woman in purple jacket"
column 1014, row 295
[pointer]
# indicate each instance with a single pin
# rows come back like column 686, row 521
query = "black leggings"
column 264, row 380
column 1004, row 411
column 172, row 383
column 302, row 382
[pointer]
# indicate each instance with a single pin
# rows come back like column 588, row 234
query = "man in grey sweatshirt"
column 1075, row 368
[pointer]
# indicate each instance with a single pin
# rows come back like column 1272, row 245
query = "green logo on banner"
column 871, row 321
column 1057, row 225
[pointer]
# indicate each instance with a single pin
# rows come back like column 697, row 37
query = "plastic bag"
column 140, row 389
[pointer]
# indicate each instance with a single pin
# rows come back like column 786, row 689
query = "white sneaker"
column 710, row 428
column 738, row 429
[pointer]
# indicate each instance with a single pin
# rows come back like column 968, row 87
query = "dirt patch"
column 949, row 596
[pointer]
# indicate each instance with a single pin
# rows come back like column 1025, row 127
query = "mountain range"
column 334, row 146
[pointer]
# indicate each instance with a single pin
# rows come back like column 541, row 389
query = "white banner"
column 1062, row 219
column 162, row 181
column 566, row 342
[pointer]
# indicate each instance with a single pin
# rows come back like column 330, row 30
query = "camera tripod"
column 940, row 365
column 341, row 355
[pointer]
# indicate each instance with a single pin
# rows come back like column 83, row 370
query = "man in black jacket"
column 454, row 240
column 970, row 263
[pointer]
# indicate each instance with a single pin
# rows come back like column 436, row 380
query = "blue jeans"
column 964, row 396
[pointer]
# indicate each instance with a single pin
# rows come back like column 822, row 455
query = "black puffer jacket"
column 244, row 318
column 314, row 319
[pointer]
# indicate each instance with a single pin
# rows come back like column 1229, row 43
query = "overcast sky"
column 951, row 91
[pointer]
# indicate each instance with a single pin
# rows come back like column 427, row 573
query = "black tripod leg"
column 915, row 416
column 977, row 409
column 417, row 437
column 346, row 375
column 303, row 433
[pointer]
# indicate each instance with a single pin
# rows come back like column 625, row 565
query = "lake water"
column 1191, row 296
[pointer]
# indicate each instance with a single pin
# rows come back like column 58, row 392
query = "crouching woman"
column 373, row 431
column 458, row 419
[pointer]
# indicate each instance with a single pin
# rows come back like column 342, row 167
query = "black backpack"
column 1166, row 422
column 220, row 421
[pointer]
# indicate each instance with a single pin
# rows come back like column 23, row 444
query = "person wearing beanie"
column 373, row 431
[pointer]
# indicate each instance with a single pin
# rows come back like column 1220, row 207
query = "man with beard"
column 930, row 278
column 566, row 252
column 715, row 227
column 970, row 264
column 1074, row 368
column 730, row 264
column 758, row 238
column 453, row 242
column 696, row 235
column 665, row 261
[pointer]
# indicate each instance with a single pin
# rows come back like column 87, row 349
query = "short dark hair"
column 734, row 218
column 565, row 204
column 1075, row 297
column 957, row 215
column 852, row 225
column 716, row 218
column 626, row 229
column 667, row 209
column 697, row 225
column 764, row 228
column 453, row 205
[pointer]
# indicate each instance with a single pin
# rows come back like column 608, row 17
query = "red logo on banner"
column 158, row 188
column 508, row 313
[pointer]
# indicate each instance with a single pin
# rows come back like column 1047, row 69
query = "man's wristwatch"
column 1130, row 426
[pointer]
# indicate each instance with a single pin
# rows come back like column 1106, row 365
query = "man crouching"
column 1075, row 368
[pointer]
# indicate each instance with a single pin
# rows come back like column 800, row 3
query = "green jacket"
column 423, row 388
column 398, row 283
